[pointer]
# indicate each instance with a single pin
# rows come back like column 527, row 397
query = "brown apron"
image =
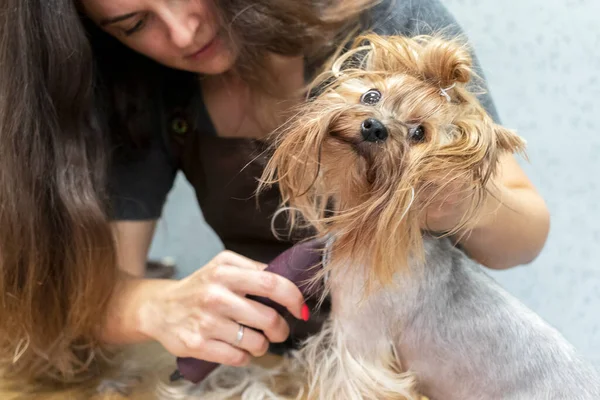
column 224, row 173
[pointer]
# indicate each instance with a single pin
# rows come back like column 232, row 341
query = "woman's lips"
column 205, row 51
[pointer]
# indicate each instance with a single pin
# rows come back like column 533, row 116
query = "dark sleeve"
column 139, row 183
column 426, row 17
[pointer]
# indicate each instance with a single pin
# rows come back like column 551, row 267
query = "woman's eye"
column 417, row 134
column 371, row 97
column 136, row 28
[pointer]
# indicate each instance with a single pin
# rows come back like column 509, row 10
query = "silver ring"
column 240, row 335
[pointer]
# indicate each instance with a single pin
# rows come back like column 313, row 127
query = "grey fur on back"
column 467, row 338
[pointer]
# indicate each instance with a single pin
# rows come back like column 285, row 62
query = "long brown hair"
column 312, row 28
column 63, row 93
column 57, row 259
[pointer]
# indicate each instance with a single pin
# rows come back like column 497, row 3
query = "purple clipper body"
column 298, row 264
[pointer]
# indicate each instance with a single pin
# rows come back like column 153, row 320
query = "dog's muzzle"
column 372, row 130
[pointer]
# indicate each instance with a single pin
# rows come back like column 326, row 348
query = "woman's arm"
column 122, row 324
column 514, row 224
column 133, row 240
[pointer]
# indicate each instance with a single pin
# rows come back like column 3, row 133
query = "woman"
column 150, row 87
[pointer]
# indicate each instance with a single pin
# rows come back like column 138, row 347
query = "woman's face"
column 182, row 34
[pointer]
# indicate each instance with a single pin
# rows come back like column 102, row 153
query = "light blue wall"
column 542, row 60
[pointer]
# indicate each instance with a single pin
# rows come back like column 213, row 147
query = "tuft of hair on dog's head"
column 392, row 124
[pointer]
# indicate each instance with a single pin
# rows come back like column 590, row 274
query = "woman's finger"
column 258, row 316
column 226, row 304
column 211, row 350
column 262, row 283
column 230, row 258
column 216, row 326
column 243, row 337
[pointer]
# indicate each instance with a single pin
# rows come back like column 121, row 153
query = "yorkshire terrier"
column 393, row 124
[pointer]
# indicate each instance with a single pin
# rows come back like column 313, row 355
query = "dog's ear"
column 480, row 141
column 445, row 61
column 398, row 54
column 435, row 58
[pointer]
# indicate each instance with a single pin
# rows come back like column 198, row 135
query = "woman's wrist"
column 124, row 320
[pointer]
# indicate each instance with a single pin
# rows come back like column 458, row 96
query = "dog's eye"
column 417, row 134
column 371, row 97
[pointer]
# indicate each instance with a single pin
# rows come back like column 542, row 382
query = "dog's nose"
column 372, row 130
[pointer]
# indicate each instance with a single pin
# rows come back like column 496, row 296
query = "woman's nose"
column 183, row 29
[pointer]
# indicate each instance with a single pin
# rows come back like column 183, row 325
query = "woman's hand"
column 200, row 316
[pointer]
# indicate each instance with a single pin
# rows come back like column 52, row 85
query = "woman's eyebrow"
column 119, row 18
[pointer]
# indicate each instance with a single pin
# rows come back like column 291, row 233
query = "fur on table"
column 142, row 372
